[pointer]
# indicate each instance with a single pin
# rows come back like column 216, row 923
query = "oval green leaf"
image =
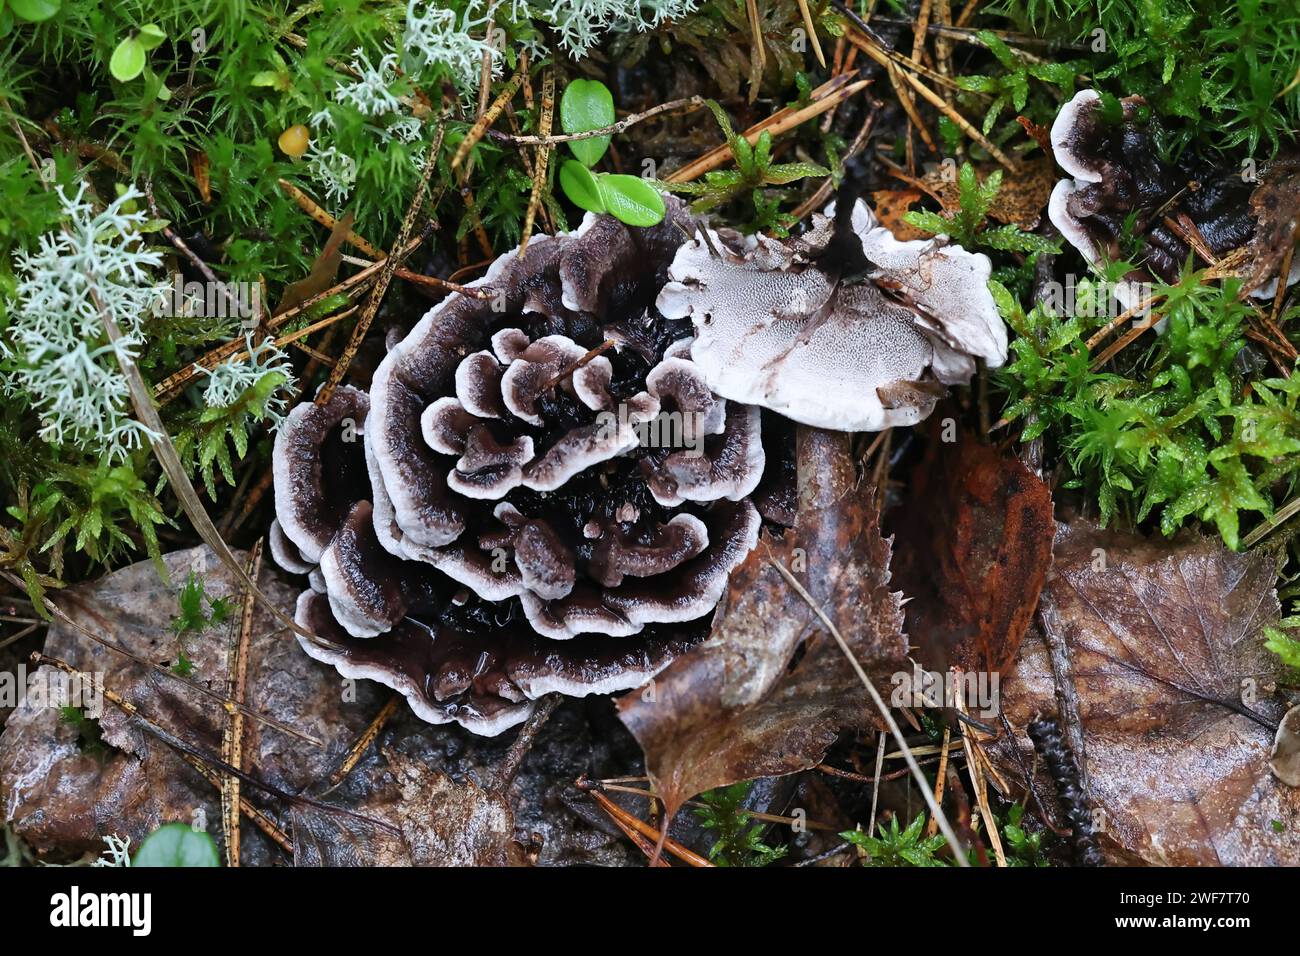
column 34, row 11
column 581, row 187
column 128, row 60
column 177, row 844
column 632, row 200
column 151, row 36
column 587, row 105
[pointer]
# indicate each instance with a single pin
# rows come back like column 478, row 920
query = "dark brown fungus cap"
column 1118, row 176
column 539, row 493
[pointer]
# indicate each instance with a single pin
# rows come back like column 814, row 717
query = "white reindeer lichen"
column 580, row 23
column 57, row 350
column 335, row 170
column 371, row 92
column 228, row 381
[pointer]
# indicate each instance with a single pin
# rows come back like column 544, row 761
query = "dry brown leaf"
column 743, row 704
column 202, row 169
column 891, row 205
column 1021, row 200
column 1275, row 205
column 1168, row 695
column 1284, row 761
column 978, row 527
column 61, row 799
column 323, row 270
column 432, row 821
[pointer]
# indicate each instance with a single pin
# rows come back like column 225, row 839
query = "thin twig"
column 480, row 126
column 686, row 103
column 812, row 31
column 311, row 208
column 232, row 738
column 111, row 644
column 363, row 742
column 259, row 818
column 825, row 97
column 523, row 741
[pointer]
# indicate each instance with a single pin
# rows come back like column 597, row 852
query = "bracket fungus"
column 540, row 491
column 1119, row 184
column 776, row 325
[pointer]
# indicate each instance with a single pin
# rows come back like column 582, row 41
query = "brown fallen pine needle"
column 480, row 126
column 232, row 737
column 875, row 788
column 825, row 97
column 310, row 207
column 363, row 742
column 868, row 46
column 756, row 32
column 918, row 31
column 939, row 778
column 543, row 157
column 758, row 815
column 812, row 31
column 432, row 282
column 980, row 783
column 626, row 821
column 1120, row 319
column 389, row 265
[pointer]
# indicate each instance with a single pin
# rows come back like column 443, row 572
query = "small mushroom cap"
column 1114, row 171
column 318, row 470
column 773, row 329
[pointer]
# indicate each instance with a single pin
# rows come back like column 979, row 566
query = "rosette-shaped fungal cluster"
column 777, row 325
column 538, row 493
column 1120, row 189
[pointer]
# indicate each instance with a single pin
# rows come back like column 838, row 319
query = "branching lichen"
column 57, row 352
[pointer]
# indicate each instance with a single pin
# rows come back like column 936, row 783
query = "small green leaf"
column 151, row 36
column 128, row 60
column 34, row 11
column 177, row 844
column 587, row 105
column 632, row 200
column 580, row 186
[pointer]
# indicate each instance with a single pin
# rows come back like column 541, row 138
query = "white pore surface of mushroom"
column 773, row 329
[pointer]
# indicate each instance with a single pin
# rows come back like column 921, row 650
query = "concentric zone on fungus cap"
column 490, row 523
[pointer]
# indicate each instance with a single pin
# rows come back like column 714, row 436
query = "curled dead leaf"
column 978, row 526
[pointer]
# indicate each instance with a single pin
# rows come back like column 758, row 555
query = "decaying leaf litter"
column 967, row 546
